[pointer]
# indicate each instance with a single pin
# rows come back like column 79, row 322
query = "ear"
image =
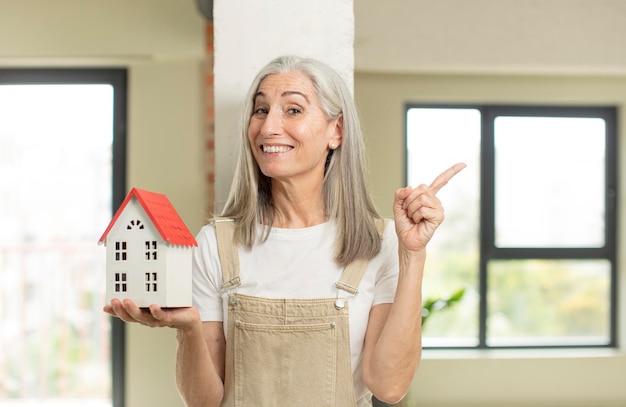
column 337, row 137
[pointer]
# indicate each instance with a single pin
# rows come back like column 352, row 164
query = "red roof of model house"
column 163, row 216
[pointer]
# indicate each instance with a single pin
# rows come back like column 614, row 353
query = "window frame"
column 117, row 78
column 487, row 248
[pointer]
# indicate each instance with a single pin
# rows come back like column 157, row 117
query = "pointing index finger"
column 446, row 176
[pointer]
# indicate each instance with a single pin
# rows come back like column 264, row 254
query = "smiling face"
column 289, row 133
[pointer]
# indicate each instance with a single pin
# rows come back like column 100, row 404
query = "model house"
column 148, row 252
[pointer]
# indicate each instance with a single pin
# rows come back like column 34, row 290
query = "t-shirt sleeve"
column 387, row 277
column 207, row 276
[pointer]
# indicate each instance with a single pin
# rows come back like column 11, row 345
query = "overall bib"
column 286, row 352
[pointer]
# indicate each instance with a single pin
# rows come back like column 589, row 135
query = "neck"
column 295, row 220
column 298, row 207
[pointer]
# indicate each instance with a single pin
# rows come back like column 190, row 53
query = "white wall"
column 93, row 31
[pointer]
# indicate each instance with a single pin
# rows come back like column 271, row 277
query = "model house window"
column 151, row 282
column 70, row 123
column 150, row 250
column 530, row 229
column 120, row 251
column 134, row 224
column 120, row 283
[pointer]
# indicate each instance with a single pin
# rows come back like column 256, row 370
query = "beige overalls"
column 286, row 352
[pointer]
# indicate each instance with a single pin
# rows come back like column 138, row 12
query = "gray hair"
column 346, row 196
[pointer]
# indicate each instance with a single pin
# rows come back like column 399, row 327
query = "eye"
column 294, row 111
column 259, row 111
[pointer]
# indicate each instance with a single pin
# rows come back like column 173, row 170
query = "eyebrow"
column 285, row 93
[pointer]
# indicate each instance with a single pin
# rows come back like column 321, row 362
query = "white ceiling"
column 507, row 36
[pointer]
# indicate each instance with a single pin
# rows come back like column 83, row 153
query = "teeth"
column 276, row 149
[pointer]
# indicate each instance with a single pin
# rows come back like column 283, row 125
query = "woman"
column 303, row 295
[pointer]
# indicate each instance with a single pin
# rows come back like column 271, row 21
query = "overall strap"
column 227, row 251
column 353, row 273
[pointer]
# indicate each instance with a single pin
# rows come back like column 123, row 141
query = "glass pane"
column 550, row 182
column 436, row 139
column 548, row 302
column 55, row 184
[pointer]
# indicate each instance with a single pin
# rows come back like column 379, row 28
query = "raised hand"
column 418, row 212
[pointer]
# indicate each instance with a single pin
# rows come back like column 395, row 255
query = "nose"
column 272, row 123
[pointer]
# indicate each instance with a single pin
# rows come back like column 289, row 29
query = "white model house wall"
column 127, row 262
column 178, row 276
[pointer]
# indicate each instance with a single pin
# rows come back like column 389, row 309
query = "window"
column 120, row 283
column 151, row 250
column 62, row 171
column 120, row 251
column 150, row 281
column 135, row 224
column 530, row 224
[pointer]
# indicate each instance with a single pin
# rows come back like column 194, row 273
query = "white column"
column 250, row 33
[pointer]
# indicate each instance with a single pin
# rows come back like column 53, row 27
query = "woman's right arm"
column 200, row 364
column 200, row 358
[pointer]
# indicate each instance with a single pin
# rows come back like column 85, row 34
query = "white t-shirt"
column 297, row 263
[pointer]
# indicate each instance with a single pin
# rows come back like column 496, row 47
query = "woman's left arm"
column 393, row 340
